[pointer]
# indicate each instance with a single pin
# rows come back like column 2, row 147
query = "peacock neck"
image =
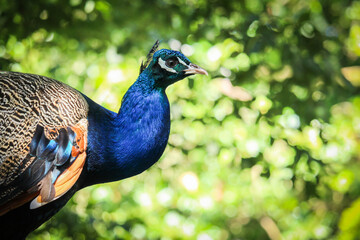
column 127, row 143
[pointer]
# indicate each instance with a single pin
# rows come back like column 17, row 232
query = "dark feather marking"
column 49, row 152
column 35, row 140
column 71, row 136
column 47, row 190
column 64, row 151
column 42, row 145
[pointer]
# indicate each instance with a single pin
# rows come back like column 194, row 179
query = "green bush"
column 266, row 147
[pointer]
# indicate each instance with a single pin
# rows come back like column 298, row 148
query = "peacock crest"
column 149, row 56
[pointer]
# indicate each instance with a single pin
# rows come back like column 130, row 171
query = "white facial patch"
column 182, row 62
column 163, row 65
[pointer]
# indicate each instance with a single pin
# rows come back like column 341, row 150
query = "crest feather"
column 149, row 56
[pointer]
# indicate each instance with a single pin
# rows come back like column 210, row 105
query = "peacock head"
column 169, row 66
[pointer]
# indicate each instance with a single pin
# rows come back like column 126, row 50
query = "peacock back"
column 42, row 132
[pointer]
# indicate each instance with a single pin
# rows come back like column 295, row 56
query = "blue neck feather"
column 125, row 144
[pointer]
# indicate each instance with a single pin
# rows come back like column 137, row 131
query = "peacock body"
column 54, row 140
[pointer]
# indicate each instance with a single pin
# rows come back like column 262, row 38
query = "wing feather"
column 41, row 121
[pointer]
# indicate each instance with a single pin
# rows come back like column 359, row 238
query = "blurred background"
column 266, row 147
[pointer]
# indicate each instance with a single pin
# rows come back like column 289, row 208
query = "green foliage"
column 266, row 147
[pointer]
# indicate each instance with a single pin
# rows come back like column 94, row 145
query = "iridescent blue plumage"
column 136, row 137
column 119, row 145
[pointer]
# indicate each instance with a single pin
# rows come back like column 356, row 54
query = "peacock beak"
column 195, row 69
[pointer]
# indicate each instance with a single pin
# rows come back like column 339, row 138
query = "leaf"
column 352, row 74
column 350, row 219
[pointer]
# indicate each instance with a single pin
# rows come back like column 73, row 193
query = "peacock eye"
column 172, row 62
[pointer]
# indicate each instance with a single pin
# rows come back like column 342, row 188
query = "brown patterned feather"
column 28, row 101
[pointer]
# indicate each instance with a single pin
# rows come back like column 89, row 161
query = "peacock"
column 55, row 140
